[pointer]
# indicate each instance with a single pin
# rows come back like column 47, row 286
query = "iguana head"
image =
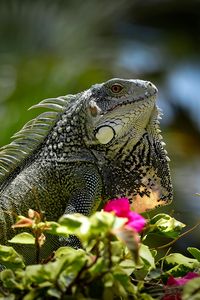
column 119, row 108
column 122, row 129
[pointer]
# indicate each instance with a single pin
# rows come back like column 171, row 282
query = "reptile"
column 99, row 144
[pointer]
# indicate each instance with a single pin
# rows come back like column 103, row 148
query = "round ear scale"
column 104, row 134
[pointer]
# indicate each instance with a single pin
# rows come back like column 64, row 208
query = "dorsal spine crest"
column 30, row 136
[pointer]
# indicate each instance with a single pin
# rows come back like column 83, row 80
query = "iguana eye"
column 116, row 88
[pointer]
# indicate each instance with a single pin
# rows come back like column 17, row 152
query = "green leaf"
column 72, row 221
column 128, row 266
column 145, row 296
column 109, row 280
column 179, row 259
column 122, row 283
column 99, row 266
column 75, row 224
column 10, row 258
column 102, row 222
column 23, row 238
column 57, row 229
column 146, row 262
column 191, row 290
column 195, row 252
column 177, row 264
column 146, row 255
column 165, row 225
column 70, row 253
column 54, row 275
column 53, row 292
column 9, row 280
column 118, row 249
column 8, row 297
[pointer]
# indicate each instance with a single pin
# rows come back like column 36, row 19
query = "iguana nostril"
column 152, row 86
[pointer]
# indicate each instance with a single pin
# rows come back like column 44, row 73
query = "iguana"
column 101, row 143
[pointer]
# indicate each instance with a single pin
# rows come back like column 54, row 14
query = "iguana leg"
column 85, row 190
column 85, row 195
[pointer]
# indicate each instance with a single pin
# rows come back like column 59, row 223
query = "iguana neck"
column 65, row 141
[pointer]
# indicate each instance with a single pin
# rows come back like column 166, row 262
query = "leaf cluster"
column 114, row 263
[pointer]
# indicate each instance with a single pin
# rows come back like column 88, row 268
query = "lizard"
column 98, row 144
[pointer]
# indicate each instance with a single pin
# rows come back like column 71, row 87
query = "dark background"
column 51, row 48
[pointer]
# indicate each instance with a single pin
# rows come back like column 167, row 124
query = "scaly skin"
column 105, row 143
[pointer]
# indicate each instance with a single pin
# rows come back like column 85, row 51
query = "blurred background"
column 55, row 47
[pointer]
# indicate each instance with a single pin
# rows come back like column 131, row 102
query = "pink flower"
column 182, row 280
column 173, row 282
column 136, row 221
column 173, row 296
column 121, row 208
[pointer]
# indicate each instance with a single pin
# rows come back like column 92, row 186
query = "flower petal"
column 120, row 206
column 136, row 221
column 182, row 280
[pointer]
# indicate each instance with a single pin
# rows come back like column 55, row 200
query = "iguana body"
column 101, row 143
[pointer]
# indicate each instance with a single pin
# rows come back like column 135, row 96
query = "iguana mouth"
column 148, row 96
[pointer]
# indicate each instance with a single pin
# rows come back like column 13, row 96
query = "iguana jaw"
column 127, row 119
column 146, row 99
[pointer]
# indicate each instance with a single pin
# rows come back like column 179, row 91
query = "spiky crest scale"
column 31, row 135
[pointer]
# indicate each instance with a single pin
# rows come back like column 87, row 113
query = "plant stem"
column 180, row 236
